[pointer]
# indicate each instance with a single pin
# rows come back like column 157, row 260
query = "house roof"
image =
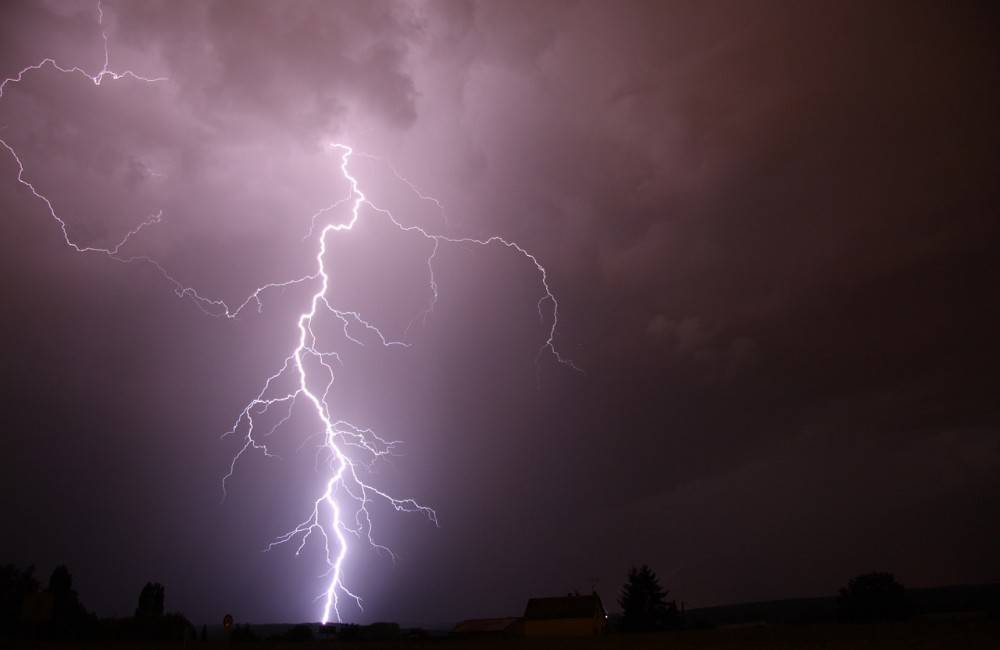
column 564, row 607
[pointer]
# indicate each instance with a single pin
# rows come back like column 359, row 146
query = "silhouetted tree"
column 16, row 586
column 872, row 597
column 65, row 601
column 643, row 602
column 150, row 621
column 150, row 601
column 204, row 632
column 68, row 616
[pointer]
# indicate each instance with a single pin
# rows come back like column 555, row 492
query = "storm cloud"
column 769, row 225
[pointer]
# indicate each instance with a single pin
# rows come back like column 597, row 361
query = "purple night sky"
column 770, row 227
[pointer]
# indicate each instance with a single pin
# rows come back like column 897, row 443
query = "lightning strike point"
column 342, row 509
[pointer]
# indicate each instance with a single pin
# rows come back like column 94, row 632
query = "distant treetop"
column 872, row 597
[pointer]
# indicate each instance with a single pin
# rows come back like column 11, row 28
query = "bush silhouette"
column 872, row 597
column 243, row 634
column 298, row 633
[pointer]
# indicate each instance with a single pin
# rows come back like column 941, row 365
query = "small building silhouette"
column 572, row 615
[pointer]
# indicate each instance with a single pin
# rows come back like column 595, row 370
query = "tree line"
column 27, row 610
column 55, row 612
column 867, row 598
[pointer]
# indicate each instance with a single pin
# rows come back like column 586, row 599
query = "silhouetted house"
column 479, row 627
column 572, row 615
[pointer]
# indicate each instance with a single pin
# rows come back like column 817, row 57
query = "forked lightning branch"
column 339, row 518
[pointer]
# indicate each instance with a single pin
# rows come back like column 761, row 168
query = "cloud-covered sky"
column 770, row 228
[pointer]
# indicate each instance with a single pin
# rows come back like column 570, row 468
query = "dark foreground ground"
column 959, row 635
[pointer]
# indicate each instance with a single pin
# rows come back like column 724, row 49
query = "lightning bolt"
column 341, row 512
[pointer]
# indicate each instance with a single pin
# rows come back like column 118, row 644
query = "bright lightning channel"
column 342, row 509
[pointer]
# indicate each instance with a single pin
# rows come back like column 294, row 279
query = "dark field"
column 942, row 634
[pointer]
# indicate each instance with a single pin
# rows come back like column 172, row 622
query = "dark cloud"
column 223, row 56
column 769, row 226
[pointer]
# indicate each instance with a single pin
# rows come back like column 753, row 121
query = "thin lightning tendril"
column 342, row 509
